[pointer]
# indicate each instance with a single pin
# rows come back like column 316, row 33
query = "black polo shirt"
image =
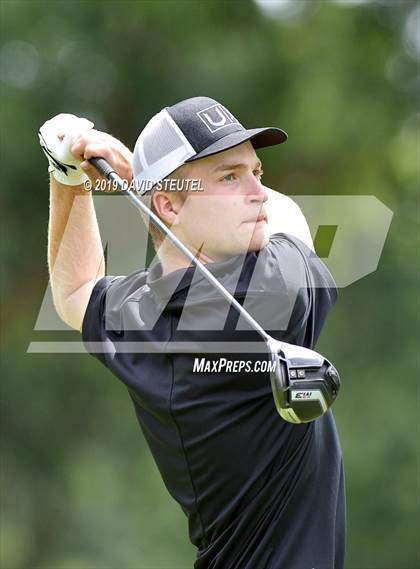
column 259, row 492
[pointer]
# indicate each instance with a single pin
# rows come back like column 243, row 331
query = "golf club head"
column 304, row 383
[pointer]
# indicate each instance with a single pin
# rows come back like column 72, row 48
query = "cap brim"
column 259, row 137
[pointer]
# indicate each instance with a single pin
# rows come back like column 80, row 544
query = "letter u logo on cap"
column 216, row 117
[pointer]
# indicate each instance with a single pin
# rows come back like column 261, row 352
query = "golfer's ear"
column 167, row 206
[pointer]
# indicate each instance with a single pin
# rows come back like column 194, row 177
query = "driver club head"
column 304, row 383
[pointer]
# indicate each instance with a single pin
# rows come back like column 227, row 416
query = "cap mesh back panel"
column 160, row 140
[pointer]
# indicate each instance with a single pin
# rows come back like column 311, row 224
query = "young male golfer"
column 259, row 492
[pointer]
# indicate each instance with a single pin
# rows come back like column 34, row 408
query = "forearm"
column 75, row 253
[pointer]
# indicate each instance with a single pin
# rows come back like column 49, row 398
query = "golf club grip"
column 102, row 166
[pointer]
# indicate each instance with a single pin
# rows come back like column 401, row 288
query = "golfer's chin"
column 258, row 243
column 258, row 239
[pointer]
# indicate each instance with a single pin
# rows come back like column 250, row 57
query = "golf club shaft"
column 105, row 169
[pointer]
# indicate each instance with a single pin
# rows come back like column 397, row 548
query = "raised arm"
column 75, row 252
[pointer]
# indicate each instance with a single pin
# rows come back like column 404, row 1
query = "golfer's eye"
column 228, row 178
column 258, row 173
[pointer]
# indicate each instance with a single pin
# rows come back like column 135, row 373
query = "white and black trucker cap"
column 190, row 130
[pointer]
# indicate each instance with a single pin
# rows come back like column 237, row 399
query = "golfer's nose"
column 256, row 192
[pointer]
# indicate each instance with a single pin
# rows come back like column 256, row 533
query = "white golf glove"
column 62, row 164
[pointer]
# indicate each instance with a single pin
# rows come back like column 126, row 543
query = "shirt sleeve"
column 318, row 277
column 93, row 329
column 102, row 319
column 318, row 293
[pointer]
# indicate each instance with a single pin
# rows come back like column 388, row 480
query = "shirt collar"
column 173, row 283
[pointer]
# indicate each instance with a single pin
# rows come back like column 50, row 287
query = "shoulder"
column 298, row 264
column 108, row 296
column 119, row 287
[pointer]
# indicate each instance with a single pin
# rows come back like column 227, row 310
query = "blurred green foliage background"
column 79, row 489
